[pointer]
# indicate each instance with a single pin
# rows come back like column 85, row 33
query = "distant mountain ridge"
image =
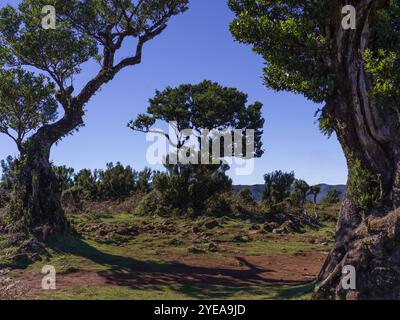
column 258, row 189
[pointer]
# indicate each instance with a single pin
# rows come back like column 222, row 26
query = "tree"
column 333, row 196
column 65, row 177
column 246, row 196
column 315, row 191
column 87, row 30
column 204, row 106
column 277, row 186
column 195, row 110
column 6, row 180
column 299, row 193
column 354, row 72
column 117, row 181
column 86, row 184
column 7, row 177
column 186, row 189
column 143, row 180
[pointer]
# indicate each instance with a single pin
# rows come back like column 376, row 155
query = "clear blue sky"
column 196, row 46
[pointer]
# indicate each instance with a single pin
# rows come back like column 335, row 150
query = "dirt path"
column 240, row 271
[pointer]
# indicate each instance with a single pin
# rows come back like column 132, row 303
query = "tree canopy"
column 203, row 106
column 296, row 40
column 87, row 30
column 26, row 103
column 277, row 186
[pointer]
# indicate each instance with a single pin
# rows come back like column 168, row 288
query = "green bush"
column 277, row 186
column 116, row 182
column 152, row 204
column 72, row 199
column 364, row 187
column 244, row 203
column 5, row 196
column 65, row 177
column 218, row 205
column 86, row 185
column 7, row 177
column 187, row 188
column 332, row 197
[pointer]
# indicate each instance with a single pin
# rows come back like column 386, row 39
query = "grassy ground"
column 123, row 256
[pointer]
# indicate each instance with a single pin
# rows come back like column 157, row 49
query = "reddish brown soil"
column 245, row 270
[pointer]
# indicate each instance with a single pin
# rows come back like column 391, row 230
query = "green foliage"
column 5, row 197
column 206, row 105
column 86, row 184
column 243, row 203
column 83, row 28
column 382, row 60
column 26, row 103
column 383, row 66
column 277, row 186
column 117, row 181
column 65, row 177
column 293, row 38
column 246, row 196
column 187, row 188
column 152, row 204
column 143, row 180
column 191, row 188
column 7, row 177
column 90, row 30
column 299, row 193
column 59, row 52
column 364, row 187
column 286, row 34
column 315, row 191
column 218, row 205
column 332, row 197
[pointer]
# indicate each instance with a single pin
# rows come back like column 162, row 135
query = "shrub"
column 116, row 182
column 187, row 188
column 143, row 181
column 71, row 199
column 244, row 203
column 364, row 187
column 277, row 186
column 64, row 176
column 152, row 204
column 332, row 197
column 5, row 196
column 7, row 177
column 299, row 193
column 246, row 197
column 86, row 184
column 218, row 205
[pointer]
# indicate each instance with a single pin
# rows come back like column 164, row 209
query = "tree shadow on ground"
column 193, row 281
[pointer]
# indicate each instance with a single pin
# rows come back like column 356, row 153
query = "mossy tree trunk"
column 367, row 238
column 36, row 203
column 35, row 206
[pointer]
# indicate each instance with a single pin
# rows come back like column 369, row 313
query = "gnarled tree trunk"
column 368, row 241
column 36, row 206
column 36, row 203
